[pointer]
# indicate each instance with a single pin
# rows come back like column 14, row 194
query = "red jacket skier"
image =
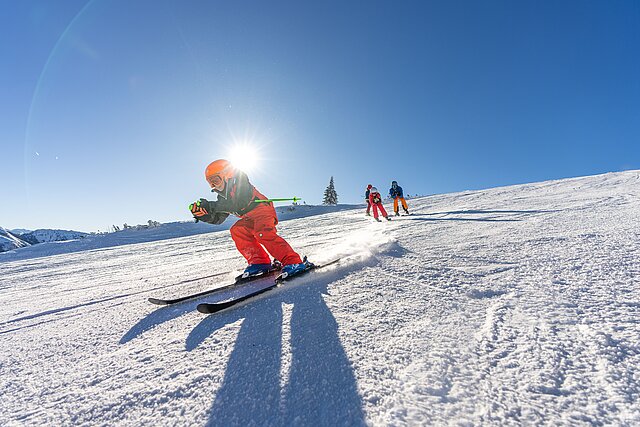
column 255, row 231
column 375, row 199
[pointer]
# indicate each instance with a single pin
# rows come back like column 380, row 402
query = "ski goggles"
column 215, row 181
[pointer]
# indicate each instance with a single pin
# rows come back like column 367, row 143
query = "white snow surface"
column 509, row 306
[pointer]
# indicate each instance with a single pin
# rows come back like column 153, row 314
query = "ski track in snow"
column 510, row 306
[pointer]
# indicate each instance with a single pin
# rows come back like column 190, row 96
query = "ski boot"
column 387, row 218
column 407, row 212
column 397, row 213
column 293, row 269
column 254, row 270
column 378, row 219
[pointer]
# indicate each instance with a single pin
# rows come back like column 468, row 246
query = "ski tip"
column 157, row 301
column 204, row 309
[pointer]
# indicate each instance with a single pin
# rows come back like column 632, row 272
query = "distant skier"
column 375, row 199
column 255, row 231
column 366, row 199
column 396, row 194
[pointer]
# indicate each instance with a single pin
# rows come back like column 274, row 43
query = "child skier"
column 396, row 194
column 366, row 199
column 375, row 199
column 255, row 231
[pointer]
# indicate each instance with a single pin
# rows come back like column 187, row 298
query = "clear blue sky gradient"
column 110, row 110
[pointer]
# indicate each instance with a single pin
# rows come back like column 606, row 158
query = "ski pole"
column 294, row 199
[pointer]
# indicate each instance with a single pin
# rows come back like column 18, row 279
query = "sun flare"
column 244, row 157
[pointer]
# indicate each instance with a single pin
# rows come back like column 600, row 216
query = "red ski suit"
column 255, row 231
column 376, row 202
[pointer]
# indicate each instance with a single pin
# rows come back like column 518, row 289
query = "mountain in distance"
column 9, row 241
column 17, row 231
column 46, row 235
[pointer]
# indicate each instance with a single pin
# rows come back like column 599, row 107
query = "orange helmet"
column 218, row 171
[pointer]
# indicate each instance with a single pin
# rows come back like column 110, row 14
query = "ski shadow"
column 317, row 386
column 171, row 312
column 153, row 319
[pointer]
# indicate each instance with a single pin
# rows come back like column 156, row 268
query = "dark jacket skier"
column 397, row 194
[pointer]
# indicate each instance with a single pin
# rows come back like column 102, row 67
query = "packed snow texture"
column 510, row 306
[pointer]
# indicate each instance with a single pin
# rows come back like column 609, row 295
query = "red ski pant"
column 256, row 231
column 377, row 206
column 395, row 204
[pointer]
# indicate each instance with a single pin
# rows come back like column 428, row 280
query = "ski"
column 238, row 281
column 209, row 308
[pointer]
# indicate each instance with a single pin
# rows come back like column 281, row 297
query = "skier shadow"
column 164, row 314
column 320, row 388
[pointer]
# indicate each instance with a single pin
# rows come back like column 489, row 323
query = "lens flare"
column 244, row 157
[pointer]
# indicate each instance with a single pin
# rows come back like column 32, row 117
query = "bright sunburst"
column 244, row 157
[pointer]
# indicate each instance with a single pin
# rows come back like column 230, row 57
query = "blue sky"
column 110, row 110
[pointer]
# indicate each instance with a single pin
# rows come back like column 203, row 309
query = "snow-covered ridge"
column 9, row 241
column 17, row 231
column 46, row 235
column 55, row 242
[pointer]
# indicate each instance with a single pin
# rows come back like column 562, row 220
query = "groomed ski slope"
column 510, row 306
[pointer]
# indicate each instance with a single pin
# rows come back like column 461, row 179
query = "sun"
column 244, row 157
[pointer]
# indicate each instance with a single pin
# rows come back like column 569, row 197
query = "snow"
column 49, row 241
column 508, row 306
column 9, row 241
column 47, row 236
column 12, row 240
column 20, row 231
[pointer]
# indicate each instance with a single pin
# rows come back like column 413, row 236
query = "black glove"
column 205, row 210
column 201, row 208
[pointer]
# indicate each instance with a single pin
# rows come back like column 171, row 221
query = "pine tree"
column 330, row 195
